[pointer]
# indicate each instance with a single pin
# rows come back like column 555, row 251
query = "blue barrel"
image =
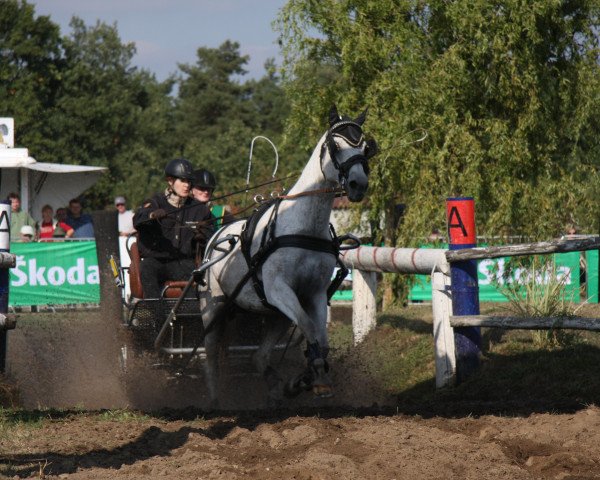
column 460, row 214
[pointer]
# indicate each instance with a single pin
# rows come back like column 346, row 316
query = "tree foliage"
column 78, row 99
column 507, row 93
column 218, row 115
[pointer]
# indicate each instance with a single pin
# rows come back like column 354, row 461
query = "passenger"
column 125, row 217
column 204, row 185
column 202, row 189
column 167, row 243
column 79, row 221
column 18, row 217
column 27, row 233
column 51, row 228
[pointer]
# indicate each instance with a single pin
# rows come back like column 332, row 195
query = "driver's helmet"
column 204, row 179
column 180, row 168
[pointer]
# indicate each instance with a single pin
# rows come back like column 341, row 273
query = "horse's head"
column 349, row 153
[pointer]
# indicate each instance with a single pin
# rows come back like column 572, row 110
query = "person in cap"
column 27, row 233
column 51, row 228
column 173, row 229
column 125, row 217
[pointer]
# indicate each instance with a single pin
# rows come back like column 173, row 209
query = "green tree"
column 30, row 70
column 218, row 114
column 506, row 92
column 111, row 114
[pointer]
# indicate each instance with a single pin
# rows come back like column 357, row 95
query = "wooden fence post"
column 443, row 333
column 364, row 311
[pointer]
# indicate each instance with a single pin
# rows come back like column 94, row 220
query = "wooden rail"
column 539, row 248
column 525, row 323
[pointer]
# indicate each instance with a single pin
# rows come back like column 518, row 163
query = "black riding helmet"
column 204, row 179
column 180, row 168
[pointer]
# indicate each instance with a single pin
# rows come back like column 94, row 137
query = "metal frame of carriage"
column 172, row 325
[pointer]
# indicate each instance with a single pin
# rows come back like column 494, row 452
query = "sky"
column 168, row 32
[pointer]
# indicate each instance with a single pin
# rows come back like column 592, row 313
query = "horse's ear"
column 334, row 116
column 362, row 117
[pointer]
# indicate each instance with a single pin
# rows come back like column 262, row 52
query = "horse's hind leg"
column 213, row 311
column 276, row 328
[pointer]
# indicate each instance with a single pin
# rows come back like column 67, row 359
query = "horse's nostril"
column 353, row 184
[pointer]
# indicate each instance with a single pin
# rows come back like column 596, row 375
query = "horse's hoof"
column 323, row 391
column 292, row 388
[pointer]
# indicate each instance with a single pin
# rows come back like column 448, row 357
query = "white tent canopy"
column 43, row 183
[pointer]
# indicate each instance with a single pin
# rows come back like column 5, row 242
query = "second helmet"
column 205, row 179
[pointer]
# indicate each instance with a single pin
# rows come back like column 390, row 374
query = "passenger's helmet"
column 180, row 168
column 204, row 179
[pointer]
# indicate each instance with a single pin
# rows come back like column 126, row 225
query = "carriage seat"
column 171, row 288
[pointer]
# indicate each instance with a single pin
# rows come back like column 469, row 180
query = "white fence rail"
column 366, row 261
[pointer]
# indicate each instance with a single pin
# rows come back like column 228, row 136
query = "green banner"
column 567, row 264
column 54, row 273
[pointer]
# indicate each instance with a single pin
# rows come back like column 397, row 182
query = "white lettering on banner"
column 21, row 276
column 493, row 273
column 27, row 272
column 93, row 275
column 36, row 275
column 76, row 275
column 56, row 276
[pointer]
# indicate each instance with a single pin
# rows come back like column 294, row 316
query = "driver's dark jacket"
column 172, row 237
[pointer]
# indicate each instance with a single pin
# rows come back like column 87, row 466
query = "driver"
column 169, row 235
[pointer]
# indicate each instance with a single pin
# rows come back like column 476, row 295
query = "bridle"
column 351, row 132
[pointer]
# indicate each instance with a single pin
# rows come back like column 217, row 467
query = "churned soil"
column 334, row 444
column 81, row 415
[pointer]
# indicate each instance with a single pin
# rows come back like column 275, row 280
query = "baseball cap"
column 119, row 200
column 27, row 230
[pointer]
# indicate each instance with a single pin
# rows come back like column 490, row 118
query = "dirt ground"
column 165, row 431
column 332, row 445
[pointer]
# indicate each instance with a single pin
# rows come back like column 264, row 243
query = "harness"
column 352, row 133
column 269, row 243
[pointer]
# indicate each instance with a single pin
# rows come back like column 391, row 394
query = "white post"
column 443, row 333
column 364, row 311
column 24, row 193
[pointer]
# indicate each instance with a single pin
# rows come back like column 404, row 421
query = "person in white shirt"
column 125, row 217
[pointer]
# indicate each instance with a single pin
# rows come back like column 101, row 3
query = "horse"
column 284, row 263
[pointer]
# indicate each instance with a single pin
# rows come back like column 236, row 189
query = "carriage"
column 275, row 267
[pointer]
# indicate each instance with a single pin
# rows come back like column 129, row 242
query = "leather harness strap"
column 270, row 243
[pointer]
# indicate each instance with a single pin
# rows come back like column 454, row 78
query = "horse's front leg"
column 313, row 324
column 316, row 353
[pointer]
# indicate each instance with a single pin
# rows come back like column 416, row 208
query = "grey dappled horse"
column 297, row 269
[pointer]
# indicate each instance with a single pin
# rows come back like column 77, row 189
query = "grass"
column 535, row 288
column 516, row 372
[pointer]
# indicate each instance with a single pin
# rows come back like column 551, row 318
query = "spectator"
column 61, row 214
column 53, row 228
column 79, row 221
column 27, row 233
column 125, row 217
column 18, row 218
